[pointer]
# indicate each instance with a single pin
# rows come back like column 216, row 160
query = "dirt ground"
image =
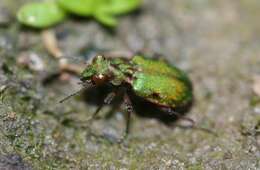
column 215, row 41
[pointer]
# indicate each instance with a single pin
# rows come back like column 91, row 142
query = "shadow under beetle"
column 155, row 81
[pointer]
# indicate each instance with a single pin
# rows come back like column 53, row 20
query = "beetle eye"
column 99, row 79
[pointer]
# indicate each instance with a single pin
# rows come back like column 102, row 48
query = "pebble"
column 32, row 61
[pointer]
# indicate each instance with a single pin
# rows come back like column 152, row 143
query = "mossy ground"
column 215, row 41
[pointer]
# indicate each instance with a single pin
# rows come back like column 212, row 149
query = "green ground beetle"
column 151, row 79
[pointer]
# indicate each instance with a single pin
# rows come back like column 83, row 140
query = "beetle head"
column 97, row 72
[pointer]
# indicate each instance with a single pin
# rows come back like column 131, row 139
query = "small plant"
column 49, row 13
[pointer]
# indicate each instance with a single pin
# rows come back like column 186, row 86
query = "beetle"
column 154, row 80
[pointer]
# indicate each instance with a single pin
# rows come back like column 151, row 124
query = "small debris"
column 227, row 155
column 51, row 44
column 72, row 68
column 65, row 77
column 11, row 115
column 31, row 60
column 256, row 84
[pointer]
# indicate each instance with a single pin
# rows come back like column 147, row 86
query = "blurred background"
column 215, row 41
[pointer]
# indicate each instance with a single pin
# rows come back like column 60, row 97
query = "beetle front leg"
column 109, row 98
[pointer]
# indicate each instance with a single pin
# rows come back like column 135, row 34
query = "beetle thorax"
column 102, row 70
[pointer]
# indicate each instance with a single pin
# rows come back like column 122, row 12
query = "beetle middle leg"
column 108, row 99
column 128, row 107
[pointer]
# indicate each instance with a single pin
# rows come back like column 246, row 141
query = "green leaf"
column 106, row 19
column 80, row 7
column 41, row 15
column 118, row 7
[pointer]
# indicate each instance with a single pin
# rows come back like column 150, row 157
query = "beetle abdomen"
column 161, row 83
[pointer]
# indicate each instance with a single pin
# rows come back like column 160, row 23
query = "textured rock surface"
column 215, row 41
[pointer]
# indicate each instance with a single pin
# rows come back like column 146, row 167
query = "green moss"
column 255, row 100
column 195, row 167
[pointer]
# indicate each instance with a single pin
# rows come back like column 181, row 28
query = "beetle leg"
column 193, row 123
column 179, row 116
column 129, row 110
column 107, row 100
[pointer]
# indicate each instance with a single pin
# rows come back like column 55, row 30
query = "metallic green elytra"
column 154, row 80
column 41, row 14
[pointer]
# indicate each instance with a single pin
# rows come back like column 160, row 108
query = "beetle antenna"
column 71, row 95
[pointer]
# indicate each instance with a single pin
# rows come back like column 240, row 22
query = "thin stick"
column 51, row 43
